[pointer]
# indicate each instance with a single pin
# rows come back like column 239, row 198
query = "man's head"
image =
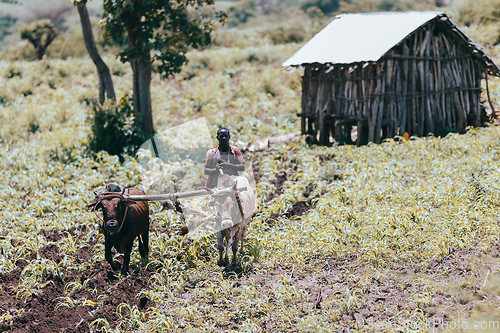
column 223, row 136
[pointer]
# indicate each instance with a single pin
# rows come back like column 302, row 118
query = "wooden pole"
column 174, row 196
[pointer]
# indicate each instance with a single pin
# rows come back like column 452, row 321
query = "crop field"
column 398, row 237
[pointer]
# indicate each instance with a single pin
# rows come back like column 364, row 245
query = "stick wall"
column 429, row 83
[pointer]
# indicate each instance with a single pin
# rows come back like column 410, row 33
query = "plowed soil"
column 43, row 312
column 382, row 299
column 457, row 283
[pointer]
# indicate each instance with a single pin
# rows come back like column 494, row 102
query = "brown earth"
column 456, row 284
column 42, row 310
column 376, row 298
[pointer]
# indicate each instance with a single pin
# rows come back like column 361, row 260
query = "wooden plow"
column 173, row 197
column 214, row 192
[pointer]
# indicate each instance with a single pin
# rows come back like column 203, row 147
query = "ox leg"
column 242, row 238
column 141, row 246
column 238, row 239
column 220, row 247
column 229, row 243
column 115, row 265
column 144, row 247
column 145, row 241
column 235, row 247
column 144, row 244
column 126, row 257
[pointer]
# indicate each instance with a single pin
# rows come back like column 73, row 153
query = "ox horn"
column 93, row 203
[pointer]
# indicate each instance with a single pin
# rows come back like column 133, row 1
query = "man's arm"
column 210, row 164
column 239, row 161
column 210, row 171
column 237, row 167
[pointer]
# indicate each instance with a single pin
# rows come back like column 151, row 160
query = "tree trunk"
column 141, row 68
column 40, row 47
column 105, row 80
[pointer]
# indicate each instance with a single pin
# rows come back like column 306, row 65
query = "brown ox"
column 233, row 211
column 123, row 221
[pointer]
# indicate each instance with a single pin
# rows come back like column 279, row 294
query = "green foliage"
column 68, row 44
column 240, row 12
column 481, row 20
column 366, row 6
column 478, row 12
column 296, row 28
column 290, row 33
column 485, row 35
column 114, row 130
column 36, row 31
column 18, row 51
column 377, row 212
column 326, row 6
column 388, row 5
column 164, row 30
column 3, row 100
column 40, row 34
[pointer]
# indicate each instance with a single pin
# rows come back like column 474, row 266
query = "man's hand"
column 229, row 166
column 226, row 166
column 209, row 171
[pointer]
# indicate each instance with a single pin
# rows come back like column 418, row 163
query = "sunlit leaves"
column 163, row 29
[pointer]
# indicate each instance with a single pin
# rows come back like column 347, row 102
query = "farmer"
column 224, row 157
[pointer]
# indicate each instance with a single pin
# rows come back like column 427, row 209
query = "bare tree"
column 106, row 87
column 39, row 33
column 161, row 32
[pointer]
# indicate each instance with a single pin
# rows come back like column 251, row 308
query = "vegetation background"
column 391, row 237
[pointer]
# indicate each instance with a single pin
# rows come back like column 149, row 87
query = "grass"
column 397, row 236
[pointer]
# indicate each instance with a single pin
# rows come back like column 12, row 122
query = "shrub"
column 485, row 35
column 241, row 12
column 20, row 50
column 478, row 12
column 40, row 34
column 3, row 100
column 68, row 45
column 289, row 34
column 388, row 5
column 14, row 71
column 114, row 130
column 326, row 6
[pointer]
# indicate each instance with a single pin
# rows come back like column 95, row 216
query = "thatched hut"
column 389, row 74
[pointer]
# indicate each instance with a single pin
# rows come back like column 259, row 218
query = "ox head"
column 225, row 207
column 113, row 207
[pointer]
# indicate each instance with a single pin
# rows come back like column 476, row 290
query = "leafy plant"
column 114, row 129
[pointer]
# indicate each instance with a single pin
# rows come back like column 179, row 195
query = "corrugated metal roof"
column 351, row 38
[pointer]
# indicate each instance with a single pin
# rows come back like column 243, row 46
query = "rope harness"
column 108, row 196
column 225, row 194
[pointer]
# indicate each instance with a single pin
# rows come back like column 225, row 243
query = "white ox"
column 233, row 211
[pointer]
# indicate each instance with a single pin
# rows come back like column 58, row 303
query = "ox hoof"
column 144, row 261
column 183, row 230
column 116, row 265
column 221, row 263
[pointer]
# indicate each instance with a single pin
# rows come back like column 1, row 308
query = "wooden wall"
column 429, row 83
